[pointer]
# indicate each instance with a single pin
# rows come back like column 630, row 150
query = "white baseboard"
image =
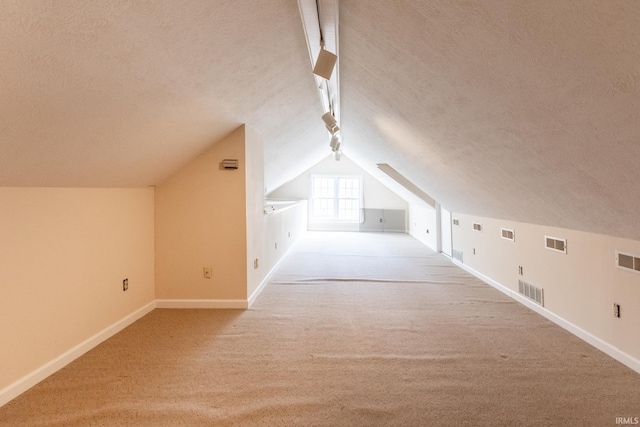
column 598, row 343
column 260, row 288
column 420, row 238
column 15, row 389
column 202, row 303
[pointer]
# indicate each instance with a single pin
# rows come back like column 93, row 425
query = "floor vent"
column 628, row 262
column 531, row 292
column 457, row 255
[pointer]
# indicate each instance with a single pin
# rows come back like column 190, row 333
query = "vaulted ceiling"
column 510, row 109
column 122, row 93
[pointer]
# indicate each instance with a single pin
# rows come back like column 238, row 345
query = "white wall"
column 580, row 286
column 423, row 225
column 375, row 194
column 64, row 253
column 282, row 229
column 269, row 236
column 201, row 222
column 208, row 216
column 256, row 223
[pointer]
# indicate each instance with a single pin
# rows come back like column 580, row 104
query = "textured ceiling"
column 523, row 110
column 121, row 93
column 509, row 109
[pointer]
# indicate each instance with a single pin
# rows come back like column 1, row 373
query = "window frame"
column 336, row 199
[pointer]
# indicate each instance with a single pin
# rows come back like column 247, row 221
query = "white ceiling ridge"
column 320, row 23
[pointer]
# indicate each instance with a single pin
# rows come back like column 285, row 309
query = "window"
column 335, row 197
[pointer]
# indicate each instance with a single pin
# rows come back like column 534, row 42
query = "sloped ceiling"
column 122, row 93
column 523, row 110
column 508, row 109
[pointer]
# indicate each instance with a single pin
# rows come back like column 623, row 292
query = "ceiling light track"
column 320, row 22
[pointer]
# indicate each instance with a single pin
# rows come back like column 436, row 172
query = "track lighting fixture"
column 335, row 142
column 318, row 22
column 325, row 64
column 331, row 123
column 332, row 127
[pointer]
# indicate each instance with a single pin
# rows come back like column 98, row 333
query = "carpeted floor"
column 355, row 329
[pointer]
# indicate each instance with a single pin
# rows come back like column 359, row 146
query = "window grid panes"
column 336, row 198
column 323, row 209
column 323, row 187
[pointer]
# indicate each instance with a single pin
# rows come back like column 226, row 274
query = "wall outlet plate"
column 125, row 284
column 206, row 271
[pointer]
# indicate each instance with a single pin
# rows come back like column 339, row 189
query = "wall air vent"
column 230, row 164
column 555, row 244
column 531, row 292
column 477, row 226
column 508, row 234
column 456, row 222
column 628, row 262
column 457, row 255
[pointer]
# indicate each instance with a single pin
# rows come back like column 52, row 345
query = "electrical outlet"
column 520, row 270
column 276, row 245
column 616, row 310
column 207, row 272
column 255, row 263
column 125, row 284
column 289, row 234
column 474, row 251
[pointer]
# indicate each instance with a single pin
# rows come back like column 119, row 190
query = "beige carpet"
column 354, row 329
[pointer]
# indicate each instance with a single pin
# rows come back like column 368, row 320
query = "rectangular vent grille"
column 508, row 234
column 555, row 244
column 531, row 292
column 628, row 262
column 456, row 222
column 457, row 255
column 477, row 226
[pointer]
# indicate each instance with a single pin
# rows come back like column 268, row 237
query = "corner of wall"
column 201, row 223
column 423, row 225
column 84, row 242
column 255, row 216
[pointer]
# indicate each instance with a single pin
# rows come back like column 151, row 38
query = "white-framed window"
column 336, row 197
